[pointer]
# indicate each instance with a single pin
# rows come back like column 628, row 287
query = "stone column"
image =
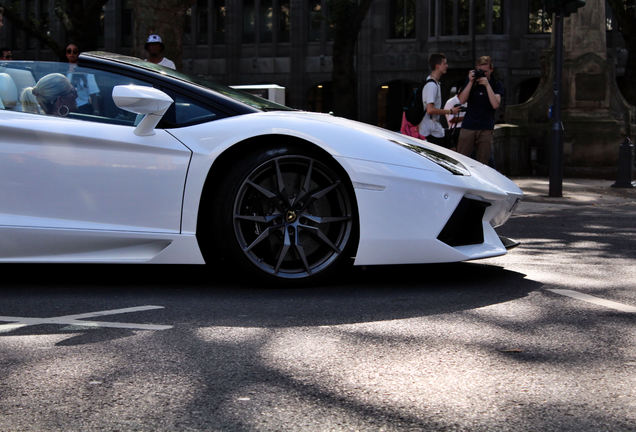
column 593, row 109
column 586, row 73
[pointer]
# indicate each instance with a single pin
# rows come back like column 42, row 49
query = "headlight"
column 445, row 161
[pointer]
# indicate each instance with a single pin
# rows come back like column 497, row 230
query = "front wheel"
column 287, row 214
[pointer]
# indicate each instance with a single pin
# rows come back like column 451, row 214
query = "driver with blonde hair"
column 52, row 95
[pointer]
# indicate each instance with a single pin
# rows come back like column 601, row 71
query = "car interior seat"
column 8, row 92
column 21, row 77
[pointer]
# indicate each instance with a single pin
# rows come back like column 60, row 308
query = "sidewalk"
column 575, row 191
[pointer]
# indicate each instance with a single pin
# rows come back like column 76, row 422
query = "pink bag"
column 409, row 129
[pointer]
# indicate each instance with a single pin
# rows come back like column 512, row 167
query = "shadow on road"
column 191, row 292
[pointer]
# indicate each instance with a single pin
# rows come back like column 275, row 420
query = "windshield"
column 239, row 95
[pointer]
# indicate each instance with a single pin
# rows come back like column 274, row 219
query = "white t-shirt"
column 167, row 63
column 451, row 104
column 430, row 125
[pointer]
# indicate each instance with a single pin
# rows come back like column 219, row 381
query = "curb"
column 575, row 191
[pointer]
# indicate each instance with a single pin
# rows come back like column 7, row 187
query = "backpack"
column 415, row 111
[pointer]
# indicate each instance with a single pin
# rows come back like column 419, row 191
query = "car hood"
column 380, row 146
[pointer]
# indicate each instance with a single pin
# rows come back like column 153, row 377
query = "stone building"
column 289, row 43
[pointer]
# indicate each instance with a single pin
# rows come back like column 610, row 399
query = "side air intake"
column 465, row 224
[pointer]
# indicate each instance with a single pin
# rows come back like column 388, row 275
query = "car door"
column 87, row 172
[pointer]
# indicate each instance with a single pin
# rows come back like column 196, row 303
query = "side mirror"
column 147, row 101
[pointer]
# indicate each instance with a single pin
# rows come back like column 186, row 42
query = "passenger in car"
column 52, row 95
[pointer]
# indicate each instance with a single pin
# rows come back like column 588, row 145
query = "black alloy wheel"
column 287, row 214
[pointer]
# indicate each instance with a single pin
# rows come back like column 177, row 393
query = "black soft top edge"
column 250, row 103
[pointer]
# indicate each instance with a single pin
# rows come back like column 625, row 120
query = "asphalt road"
column 542, row 339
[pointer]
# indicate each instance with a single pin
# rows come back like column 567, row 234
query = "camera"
column 478, row 73
column 461, row 108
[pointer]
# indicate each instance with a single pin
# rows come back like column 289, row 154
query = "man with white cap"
column 154, row 46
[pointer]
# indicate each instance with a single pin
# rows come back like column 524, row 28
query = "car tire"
column 283, row 214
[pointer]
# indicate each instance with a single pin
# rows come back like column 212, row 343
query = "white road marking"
column 113, row 312
column 596, row 300
column 75, row 320
column 6, row 328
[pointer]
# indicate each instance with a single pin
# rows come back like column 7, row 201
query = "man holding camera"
column 483, row 95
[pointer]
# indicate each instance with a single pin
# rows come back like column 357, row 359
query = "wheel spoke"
column 283, row 251
column 325, row 219
column 325, row 191
column 256, row 218
column 301, row 252
column 318, row 233
column 279, row 178
column 307, row 181
column 304, row 189
column 266, row 233
column 261, row 189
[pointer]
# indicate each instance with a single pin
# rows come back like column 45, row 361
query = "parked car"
column 162, row 167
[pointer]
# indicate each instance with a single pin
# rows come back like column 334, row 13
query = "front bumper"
column 409, row 215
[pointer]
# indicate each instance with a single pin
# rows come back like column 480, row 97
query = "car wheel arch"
column 222, row 166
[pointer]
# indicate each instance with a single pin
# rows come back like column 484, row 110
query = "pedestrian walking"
column 430, row 125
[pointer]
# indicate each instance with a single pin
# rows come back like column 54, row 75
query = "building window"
column 498, row 17
column 202, row 22
column 127, row 23
column 284, row 21
column 402, row 16
column 316, row 20
column 539, row 21
column 447, row 11
column 481, row 26
column 101, row 39
column 30, row 16
column 610, row 21
column 271, row 24
column 187, row 27
column 207, row 13
column 463, row 17
column 266, row 23
column 320, row 28
column 432, row 16
column 44, row 20
column 218, row 21
column 457, row 17
column 249, row 22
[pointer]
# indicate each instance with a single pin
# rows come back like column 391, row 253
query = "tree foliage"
column 79, row 18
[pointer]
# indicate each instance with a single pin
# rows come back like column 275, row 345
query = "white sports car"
column 148, row 165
